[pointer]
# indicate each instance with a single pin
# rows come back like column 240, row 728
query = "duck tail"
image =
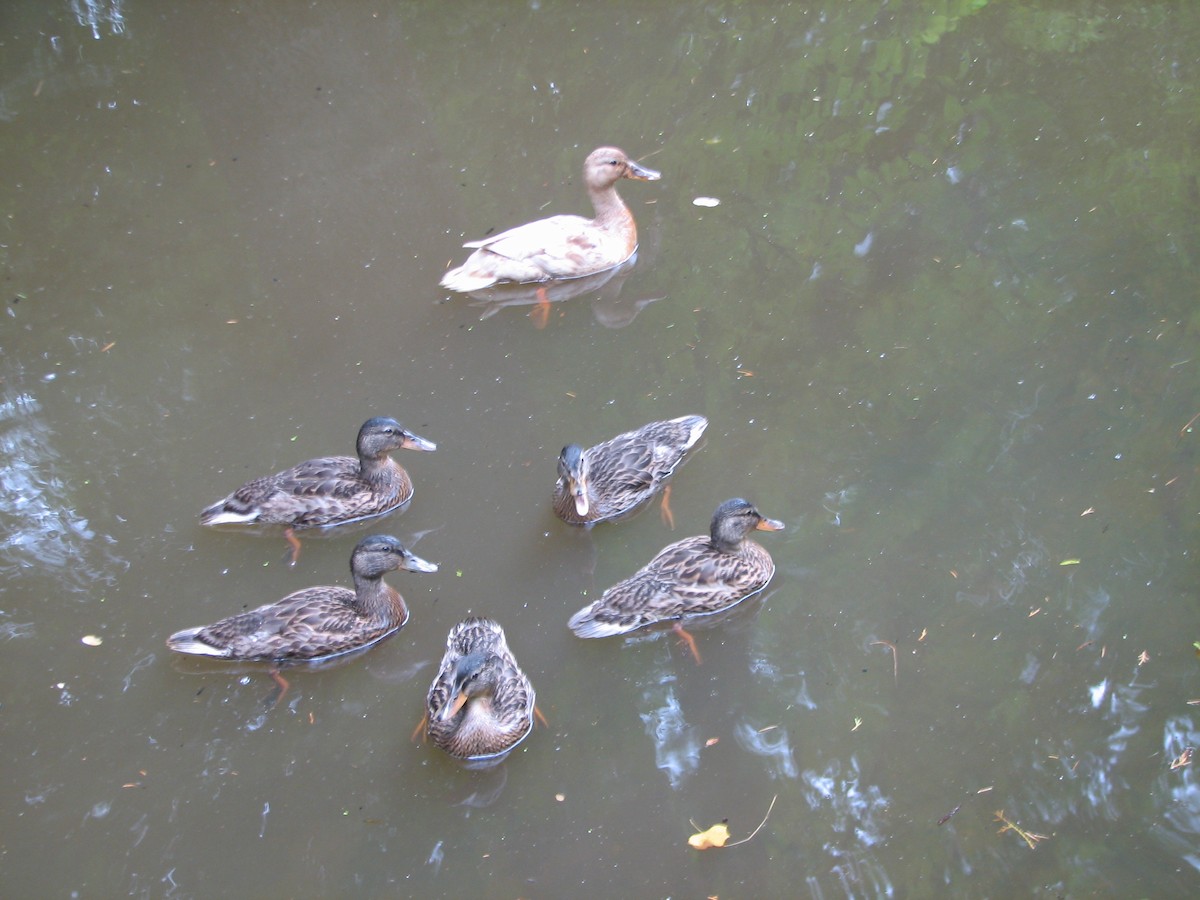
column 190, row 641
column 464, row 281
column 696, row 426
column 224, row 513
column 587, row 624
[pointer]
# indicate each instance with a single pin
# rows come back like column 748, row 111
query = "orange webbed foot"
column 420, row 729
column 289, row 535
column 668, row 517
column 541, row 312
column 283, row 687
column 687, row 640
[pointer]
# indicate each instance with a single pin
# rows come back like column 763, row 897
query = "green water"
column 944, row 324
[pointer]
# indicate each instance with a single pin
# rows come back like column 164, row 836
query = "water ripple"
column 676, row 745
column 770, row 743
column 857, row 812
column 40, row 526
column 1180, row 825
column 856, row 808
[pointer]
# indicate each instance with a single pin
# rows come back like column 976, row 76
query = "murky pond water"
column 943, row 321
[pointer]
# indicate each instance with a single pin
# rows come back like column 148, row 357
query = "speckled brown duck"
column 696, row 576
column 617, row 476
column 329, row 490
column 316, row 622
column 480, row 705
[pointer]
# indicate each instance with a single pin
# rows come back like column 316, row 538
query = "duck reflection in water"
column 609, row 307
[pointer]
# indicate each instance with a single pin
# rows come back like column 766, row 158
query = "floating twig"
column 760, row 824
column 719, row 833
column 948, row 816
column 895, row 660
column 1029, row 837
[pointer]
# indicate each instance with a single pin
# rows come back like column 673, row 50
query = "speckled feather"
column 563, row 246
column 695, row 576
column 626, row 471
column 315, row 622
column 330, row 490
column 498, row 714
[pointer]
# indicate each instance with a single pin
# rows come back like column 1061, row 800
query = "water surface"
column 943, row 322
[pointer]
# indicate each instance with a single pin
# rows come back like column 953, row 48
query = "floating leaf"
column 1069, row 562
column 713, row 837
column 719, row 833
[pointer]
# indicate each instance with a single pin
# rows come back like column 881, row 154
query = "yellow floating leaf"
column 1069, row 562
column 714, row 837
column 718, row 835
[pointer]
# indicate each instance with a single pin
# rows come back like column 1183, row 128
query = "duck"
column 480, row 705
column 616, row 477
column 317, row 622
column 696, row 576
column 329, row 490
column 563, row 246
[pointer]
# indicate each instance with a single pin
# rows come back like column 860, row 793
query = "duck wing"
column 314, row 622
column 688, row 578
column 316, row 492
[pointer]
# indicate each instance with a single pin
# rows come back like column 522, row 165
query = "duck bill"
column 414, row 563
column 579, row 492
column 769, row 525
column 450, row 710
column 416, row 442
column 641, row 173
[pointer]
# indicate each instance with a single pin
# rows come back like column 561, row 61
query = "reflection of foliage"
column 956, row 244
column 1054, row 30
column 40, row 528
column 915, row 202
column 879, row 128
